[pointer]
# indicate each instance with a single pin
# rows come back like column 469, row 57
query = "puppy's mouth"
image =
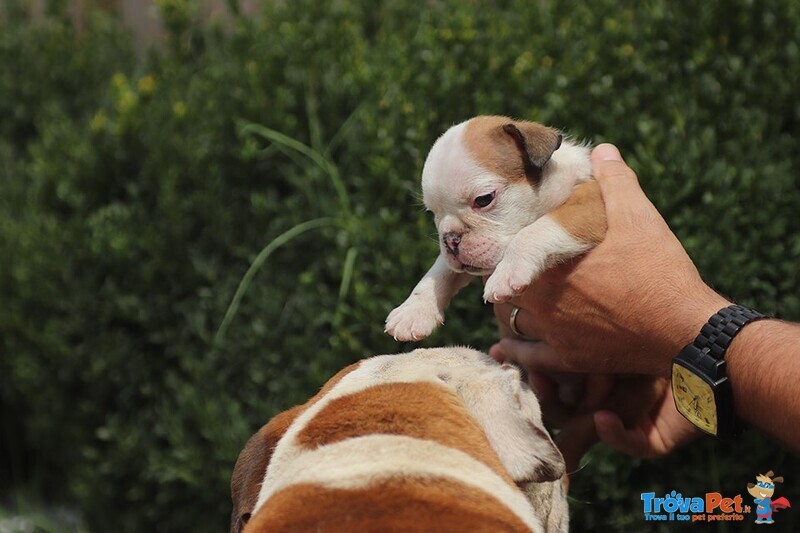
column 455, row 264
column 475, row 270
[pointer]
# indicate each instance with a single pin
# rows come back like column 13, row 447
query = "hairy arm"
column 764, row 370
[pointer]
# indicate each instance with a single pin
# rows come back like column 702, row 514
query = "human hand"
column 630, row 304
column 627, row 307
column 632, row 414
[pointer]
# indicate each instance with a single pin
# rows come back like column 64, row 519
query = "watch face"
column 694, row 398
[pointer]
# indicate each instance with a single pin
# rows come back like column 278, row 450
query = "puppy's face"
column 484, row 181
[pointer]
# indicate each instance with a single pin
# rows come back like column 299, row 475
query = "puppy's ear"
column 248, row 474
column 778, row 479
column 536, row 144
column 512, row 421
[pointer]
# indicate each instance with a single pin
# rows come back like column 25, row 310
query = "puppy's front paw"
column 509, row 279
column 413, row 320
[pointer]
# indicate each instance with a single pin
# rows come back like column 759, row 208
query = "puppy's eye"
column 484, row 200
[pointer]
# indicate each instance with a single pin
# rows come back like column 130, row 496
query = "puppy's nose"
column 451, row 241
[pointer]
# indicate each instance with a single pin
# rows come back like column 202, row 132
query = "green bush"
column 137, row 193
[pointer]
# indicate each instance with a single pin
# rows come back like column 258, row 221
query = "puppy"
column 441, row 439
column 509, row 198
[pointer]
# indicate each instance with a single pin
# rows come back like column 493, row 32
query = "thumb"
column 619, row 185
column 606, row 152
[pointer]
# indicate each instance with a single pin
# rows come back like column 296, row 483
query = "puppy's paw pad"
column 413, row 320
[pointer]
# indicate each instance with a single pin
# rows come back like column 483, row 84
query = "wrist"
column 692, row 314
column 701, row 383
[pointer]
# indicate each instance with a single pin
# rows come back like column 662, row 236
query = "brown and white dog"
column 509, row 198
column 440, row 439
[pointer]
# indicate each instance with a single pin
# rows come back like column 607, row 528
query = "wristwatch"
column 700, row 385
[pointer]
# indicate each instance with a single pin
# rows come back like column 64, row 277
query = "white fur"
column 424, row 309
column 510, row 242
column 524, row 261
column 506, row 409
column 364, row 461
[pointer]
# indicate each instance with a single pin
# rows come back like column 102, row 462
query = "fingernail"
column 606, row 152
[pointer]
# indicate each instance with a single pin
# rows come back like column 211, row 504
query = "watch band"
column 705, row 357
column 716, row 335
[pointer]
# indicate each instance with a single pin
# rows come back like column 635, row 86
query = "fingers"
column 524, row 321
column 597, row 389
column 539, row 360
column 554, row 412
column 571, row 387
column 619, row 185
column 575, row 439
column 612, row 431
column 547, row 390
column 532, row 355
column 503, row 312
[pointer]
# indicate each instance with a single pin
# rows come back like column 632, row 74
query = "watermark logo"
column 713, row 506
column 674, row 507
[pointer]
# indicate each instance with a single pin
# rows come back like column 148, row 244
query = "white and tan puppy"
column 510, row 199
column 441, row 439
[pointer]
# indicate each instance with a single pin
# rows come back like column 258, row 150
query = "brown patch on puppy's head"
column 511, row 148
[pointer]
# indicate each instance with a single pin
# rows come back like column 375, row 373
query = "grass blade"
column 262, row 256
column 317, row 158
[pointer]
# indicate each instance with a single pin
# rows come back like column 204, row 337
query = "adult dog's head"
column 450, row 416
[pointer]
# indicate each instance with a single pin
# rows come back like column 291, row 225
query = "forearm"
column 764, row 371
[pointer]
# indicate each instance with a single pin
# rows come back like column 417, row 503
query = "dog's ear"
column 778, row 479
column 248, row 474
column 512, row 421
column 536, row 144
column 251, row 466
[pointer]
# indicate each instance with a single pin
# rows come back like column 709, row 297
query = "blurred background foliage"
column 135, row 193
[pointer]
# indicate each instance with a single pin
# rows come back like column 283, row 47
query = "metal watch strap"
column 716, row 335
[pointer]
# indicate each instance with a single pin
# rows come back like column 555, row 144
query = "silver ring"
column 512, row 322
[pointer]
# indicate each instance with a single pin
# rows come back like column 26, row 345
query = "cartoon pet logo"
column 762, row 491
